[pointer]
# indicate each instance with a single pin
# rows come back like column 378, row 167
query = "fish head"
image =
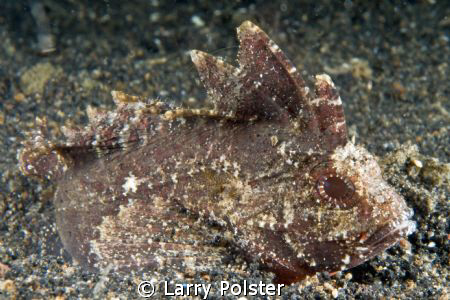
column 346, row 214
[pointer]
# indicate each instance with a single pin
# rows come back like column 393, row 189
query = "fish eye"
column 335, row 187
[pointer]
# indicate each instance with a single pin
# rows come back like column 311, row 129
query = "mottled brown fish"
column 271, row 163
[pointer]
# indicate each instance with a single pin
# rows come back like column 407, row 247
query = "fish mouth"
column 386, row 236
column 391, row 233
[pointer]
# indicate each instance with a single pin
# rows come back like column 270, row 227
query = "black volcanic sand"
column 390, row 62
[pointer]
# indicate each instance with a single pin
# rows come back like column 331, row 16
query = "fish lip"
column 383, row 238
column 388, row 235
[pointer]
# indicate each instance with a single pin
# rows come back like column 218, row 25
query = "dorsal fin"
column 219, row 79
column 268, row 86
column 263, row 63
column 328, row 110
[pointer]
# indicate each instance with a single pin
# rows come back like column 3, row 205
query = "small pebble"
column 197, row 21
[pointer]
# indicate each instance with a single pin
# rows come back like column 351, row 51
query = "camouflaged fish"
column 271, row 164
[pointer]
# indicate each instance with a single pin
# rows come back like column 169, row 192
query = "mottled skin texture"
column 270, row 163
